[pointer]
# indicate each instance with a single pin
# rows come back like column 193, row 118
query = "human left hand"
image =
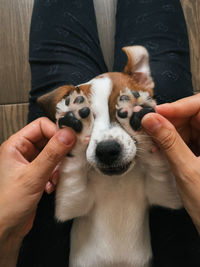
column 172, row 136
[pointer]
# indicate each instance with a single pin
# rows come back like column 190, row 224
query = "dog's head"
column 107, row 112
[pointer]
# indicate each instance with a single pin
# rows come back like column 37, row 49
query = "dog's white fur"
column 111, row 225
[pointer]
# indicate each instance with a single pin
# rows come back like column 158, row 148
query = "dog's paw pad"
column 67, row 101
column 84, row 112
column 79, row 100
column 135, row 120
column 121, row 113
column 70, row 120
column 124, row 98
column 136, row 94
column 131, row 108
column 78, row 116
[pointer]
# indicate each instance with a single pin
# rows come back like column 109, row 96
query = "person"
column 65, row 49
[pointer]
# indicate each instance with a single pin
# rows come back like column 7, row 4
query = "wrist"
column 10, row 244
column 9, row 250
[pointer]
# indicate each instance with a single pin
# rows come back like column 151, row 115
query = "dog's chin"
column 115, row 170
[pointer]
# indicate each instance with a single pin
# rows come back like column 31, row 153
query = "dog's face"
column 106, row 112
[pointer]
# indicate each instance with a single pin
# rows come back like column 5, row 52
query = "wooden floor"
column 14, row 68
column 15, row 18
column 192, row 13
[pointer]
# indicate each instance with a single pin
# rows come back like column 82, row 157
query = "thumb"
column 55, row 150
column 168, row 139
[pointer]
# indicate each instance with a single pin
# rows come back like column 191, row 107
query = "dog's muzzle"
column 108, row 155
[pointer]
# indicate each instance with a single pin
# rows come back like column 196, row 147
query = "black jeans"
column 65, row 49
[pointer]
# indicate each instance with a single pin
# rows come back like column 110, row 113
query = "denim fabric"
column 64, row 47
column 159, row 26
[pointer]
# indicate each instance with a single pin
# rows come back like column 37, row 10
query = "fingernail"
column 55, row 178
column 66, row 136
column 49, row 188
column 150, row 123
column 157, row 107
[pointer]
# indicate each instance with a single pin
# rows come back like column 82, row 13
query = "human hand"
column 184, row 114
column 27, row 160
column 182, row 125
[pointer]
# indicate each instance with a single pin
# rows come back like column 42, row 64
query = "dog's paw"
column 77, row 114
column 131, row 108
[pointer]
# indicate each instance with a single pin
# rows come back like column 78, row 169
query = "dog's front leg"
column 160, row 184
column 73, row 196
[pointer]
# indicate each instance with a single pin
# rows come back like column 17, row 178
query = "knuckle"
column 169, row 140
column 7, row 146
column 42, row 119
column 51, row 154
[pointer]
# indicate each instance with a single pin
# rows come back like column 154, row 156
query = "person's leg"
column 64, row 49
column 159, row 25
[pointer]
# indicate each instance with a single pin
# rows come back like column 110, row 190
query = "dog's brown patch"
column 86, row 89
column 120, row 82
column 49, row 101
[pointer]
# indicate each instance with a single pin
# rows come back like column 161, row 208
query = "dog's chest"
column 118, row 196
column 116, row 229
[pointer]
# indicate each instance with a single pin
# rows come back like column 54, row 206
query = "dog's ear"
column 49, row 101
column 138, row 65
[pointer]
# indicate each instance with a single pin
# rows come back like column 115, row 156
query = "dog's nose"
column 107, row 152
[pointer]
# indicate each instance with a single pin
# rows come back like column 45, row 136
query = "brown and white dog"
column 112, row 176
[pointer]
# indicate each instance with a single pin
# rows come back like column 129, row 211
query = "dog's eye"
column 67, row 101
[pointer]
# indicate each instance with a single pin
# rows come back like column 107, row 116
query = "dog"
column 113, row 174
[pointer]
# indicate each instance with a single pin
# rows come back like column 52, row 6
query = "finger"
column 55, row 178
column 58, row 146
column 38, row 131
column 52, row 183
column 195, row 122
column 183, row 108
column 29, row 141
column 168, row 139
column 184, row 114
column 19, row 150
column 49, row 187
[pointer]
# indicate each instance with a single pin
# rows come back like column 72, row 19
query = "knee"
column 172, row 81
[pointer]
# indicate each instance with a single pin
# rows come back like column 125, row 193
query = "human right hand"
column 173, row 127
column 27, row 160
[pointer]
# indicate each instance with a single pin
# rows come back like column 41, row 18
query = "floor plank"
column 14, row 35
column 105, row 14
column 192, row 13
column 13, row 117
